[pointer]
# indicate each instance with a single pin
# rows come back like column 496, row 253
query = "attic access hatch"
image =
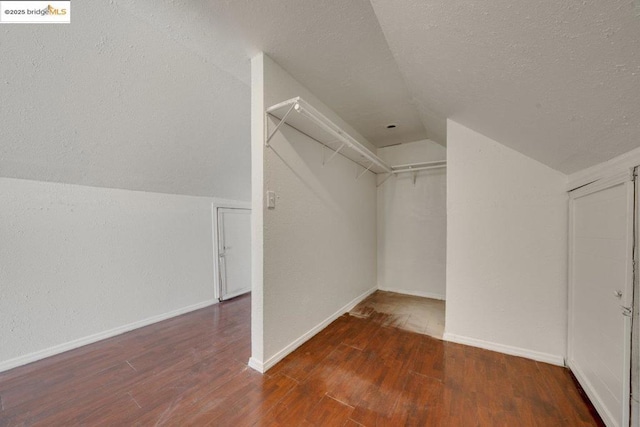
column 301, row 116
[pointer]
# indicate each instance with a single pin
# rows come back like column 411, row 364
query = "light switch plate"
column 271, row 199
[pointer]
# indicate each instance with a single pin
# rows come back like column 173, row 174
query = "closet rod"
column 297, row 105
column 321, row 121
column 419, row 164
column 419, row 169
column 415, row 167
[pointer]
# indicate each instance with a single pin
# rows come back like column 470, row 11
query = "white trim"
column 265, row 366
column 602, row 170
column 214, row 259
column 255, row 364
column 221, row 203
column 229, row 203
column 422, row 294
column 61, row 348
column 553, row 359
column 628, row 302
column 245, row 206
column 570, row 275
column 602, row 184
column 602, row 410
column 634, row 413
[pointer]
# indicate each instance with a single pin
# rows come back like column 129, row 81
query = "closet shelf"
column 415, row 167
column 303, row 117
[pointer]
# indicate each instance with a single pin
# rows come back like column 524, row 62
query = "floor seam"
column 339, row 401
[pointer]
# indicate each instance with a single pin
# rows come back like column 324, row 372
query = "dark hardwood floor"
column 191, row 370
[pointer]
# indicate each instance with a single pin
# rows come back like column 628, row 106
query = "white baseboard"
column 61, row 348
column 506, row 349
column 593, row 396
column 263, row 367
column 256, row 365
column 431, row 295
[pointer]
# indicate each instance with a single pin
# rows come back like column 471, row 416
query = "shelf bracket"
column 415, row 175
column 283, row 120
column 330, row 133
column 335, row 153
column 364, row 171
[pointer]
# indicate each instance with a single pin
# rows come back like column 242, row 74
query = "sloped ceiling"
column 337, row 50
column 113, row 101
column 557, row 81
column 154, row 95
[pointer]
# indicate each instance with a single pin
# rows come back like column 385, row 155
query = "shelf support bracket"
column 415, row 175
column 283, row 120
column 335, row 153
column 364, row 171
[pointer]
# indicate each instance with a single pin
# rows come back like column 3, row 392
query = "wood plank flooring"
column 191, row 370
column 411, row 313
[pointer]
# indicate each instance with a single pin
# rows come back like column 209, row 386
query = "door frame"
column 226, row 204
column 635, row 318
column 626, row 177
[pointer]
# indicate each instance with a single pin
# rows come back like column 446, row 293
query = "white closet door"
column 601, row 286
column 234, row 252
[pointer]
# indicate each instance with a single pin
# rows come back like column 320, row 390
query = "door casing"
column 215, row 205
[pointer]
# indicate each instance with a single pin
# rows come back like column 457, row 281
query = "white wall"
column 412, row 223
column 319, row 249
column 129, row 95
column 506, row 249
column 79, row 264
column 257, row 214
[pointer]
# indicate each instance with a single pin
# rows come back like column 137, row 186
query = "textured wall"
column 412, row 223
column 77, row 261
column 506, row 248
column 320, row 240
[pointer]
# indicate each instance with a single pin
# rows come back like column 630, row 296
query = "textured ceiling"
column 337, row 50
column 154, row 95
column 557, row 81
column 112, row 101
column 334, row 48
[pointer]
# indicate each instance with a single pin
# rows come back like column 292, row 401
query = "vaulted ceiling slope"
column 337, row 50
column 155, row 96
column 112, row 100
column 558, row 81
